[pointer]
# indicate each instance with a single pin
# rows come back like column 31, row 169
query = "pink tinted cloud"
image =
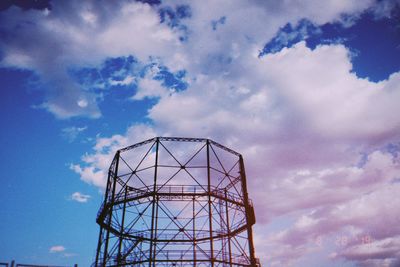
column 303, row 121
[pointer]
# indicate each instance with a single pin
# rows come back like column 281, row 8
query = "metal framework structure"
column 176, row 202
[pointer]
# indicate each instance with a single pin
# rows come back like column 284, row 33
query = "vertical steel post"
column 228, row 229
column 111, row 207
column 194, row 228
column 222, row 229
column 155, row 230
column 99, row 246
column 101, row 227
column 248, row 212
column 209, row 204
column 121, row 237
column 151, row 260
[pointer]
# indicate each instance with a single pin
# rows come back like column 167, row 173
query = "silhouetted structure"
column 13, row 264
column 176, row 202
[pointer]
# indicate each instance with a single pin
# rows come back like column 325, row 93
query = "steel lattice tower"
column 176, row 202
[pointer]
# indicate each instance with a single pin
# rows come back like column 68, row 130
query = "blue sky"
column 307, row 92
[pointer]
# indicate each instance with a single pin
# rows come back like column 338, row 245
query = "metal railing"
column 166, row 190
column 14, row 264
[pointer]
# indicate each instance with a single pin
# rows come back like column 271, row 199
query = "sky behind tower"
column 308, row 91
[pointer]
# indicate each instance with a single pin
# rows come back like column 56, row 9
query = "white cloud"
column 322, row 12
column 56, row 249
column 354, row 221
column 301, row 126
column 295, row 92
column 69, row 255
column 95, row 166
column 301, row 114
column 385, row 252
column 71, row 133
column 79, row 197
column 148, row 87
column 126, row 81
column 75, row 34
column 300, row 117
column 91, row 175
column 129, row 28
column 82, row 103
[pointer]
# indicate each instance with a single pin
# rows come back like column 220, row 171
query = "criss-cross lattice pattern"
column 176, row 202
